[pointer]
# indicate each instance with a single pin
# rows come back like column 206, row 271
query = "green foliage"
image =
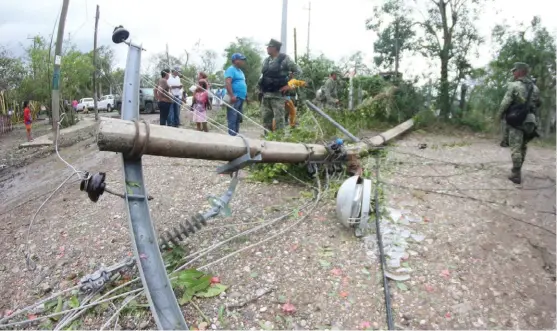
column 252, row 67
column 394, row 38
column 315, row 72
column 192, row 283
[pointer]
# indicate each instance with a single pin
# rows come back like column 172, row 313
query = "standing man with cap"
column 274, row 85
column 176, row 89
column 237, row 90
column 519, row 108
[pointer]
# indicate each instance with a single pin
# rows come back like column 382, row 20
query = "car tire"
column 149, row 108
column 108, row 108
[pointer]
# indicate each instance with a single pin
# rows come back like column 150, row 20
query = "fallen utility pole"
column 115, row 135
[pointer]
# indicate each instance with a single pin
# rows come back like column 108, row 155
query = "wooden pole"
column 115, row 135
column 95, row 89
column 57, row 62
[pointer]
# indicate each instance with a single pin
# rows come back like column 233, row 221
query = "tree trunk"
column 444, row 97
column 462, row 105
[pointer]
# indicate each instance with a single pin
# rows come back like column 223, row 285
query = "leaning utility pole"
column 95, row 89
column 283, row 33
column 56, row 75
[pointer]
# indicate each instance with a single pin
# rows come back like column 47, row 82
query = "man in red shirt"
column 27, row 119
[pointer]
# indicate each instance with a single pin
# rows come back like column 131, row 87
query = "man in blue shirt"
column 237, row 90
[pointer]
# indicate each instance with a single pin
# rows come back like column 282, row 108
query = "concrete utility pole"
column 57, row 62
column 283, row 33
column 309, row 25
column 34, row 47
column 96, row 92
column 295, row 47
column 168, row 57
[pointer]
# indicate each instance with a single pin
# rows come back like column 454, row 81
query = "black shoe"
column 515, row 176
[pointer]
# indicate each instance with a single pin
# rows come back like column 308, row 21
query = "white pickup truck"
column 85, row 103
column 106, row 102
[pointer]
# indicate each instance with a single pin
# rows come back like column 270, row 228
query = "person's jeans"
column 174, row 113
column 234, row 117
column 164, row 108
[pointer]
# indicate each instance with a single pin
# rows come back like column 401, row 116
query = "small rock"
column 15, row 270
column 260, row 292
column 456, row 295
column 303, row 323
column 422, row 322
column 275, row 181
column 202, row 326
column 2, row 268
column 213, row 326
column 375, row 325
column 263, row 309
column 143, row 325
column 45, row 288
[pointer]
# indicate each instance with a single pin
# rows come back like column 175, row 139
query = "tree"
column 395, row 37
column 450, row 34
column 316, row 70
column 11, row 70
column 252, row 69
column 208, row 61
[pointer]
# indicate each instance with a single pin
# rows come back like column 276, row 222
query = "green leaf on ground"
column 324, row 263
column 74, row 302
column 212, row 291
column 253, row 274
column 405, row 264
column 401, row 286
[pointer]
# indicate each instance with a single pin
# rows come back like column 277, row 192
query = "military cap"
column 520, row 66
column 274, row 43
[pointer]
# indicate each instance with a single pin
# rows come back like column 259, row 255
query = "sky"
column 337, row 27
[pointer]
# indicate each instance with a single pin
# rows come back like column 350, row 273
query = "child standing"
column 27, row 119
column 199, row 106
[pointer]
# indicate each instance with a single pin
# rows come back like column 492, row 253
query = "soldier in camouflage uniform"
column 330, row 91
column 519, row 136
column 505, row 127
column 274, row 85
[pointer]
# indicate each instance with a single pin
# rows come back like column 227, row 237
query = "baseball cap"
column 176, row 68
column 237, row 56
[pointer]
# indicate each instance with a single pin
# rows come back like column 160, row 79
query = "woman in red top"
column 27, row 119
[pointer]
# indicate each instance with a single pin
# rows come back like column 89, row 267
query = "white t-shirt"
column 175, row 81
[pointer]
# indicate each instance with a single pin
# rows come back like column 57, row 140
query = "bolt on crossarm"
column 161, row 297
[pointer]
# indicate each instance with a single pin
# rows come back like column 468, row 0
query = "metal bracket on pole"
column 240, row 162
column 162, row 300
column 333, row 122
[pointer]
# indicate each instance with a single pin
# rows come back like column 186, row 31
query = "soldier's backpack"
column 517, row 112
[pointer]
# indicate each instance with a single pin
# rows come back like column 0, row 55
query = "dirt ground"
column 479, row 267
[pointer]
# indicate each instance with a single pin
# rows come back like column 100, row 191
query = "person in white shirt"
column 176, row 89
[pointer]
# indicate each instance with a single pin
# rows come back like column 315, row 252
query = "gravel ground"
column 477, row 269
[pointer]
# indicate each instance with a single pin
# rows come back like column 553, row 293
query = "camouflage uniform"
column 517, row 92
column 273, row 102
column 330, row 93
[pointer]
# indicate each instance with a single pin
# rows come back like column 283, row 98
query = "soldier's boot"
column 516, row 176
column 504, row 143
